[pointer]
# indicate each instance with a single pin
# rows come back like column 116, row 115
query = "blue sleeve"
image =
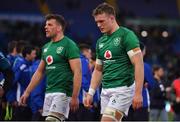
column 86, row 74
column 4, row 63
column 18, row 67
column 148, row 76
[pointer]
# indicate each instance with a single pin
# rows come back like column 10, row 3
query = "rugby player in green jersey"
column 61, row 63
column 119, row 65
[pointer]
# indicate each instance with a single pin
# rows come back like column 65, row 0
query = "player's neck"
column 58, row 37
column 114, row 28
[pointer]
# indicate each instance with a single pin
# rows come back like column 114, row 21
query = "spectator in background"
column 12, row 51
column 11, row 93
column 176, row 101
column 142, row 114
column 84, row 114
column 37, row 95
column 5, row 83
column 22, row 73
column 158, row 96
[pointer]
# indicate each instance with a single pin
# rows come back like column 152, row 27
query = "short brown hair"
column 11, row 46
column 104, row 8
column 156, row 68
column 59, row 18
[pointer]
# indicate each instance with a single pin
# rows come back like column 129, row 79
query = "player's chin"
column 103, row 31
column 47, row 35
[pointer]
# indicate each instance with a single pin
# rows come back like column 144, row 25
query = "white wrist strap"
column 91, row 91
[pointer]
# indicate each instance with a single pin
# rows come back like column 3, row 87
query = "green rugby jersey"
column 112, row 50
column 58, row 71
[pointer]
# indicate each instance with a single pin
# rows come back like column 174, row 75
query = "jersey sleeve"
column 98, row 46
column 97, row 50
column 42, row 53
column 72, row 51
column 18, row 67
column 131, row 41
column 4, row 63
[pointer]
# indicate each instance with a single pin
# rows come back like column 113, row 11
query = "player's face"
column 88, row 53
column 161, row 72
column 104, row 22
column 32, row 55
column 51, row 28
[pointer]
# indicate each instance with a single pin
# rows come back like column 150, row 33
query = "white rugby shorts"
column 119, row 98
column 56, row 102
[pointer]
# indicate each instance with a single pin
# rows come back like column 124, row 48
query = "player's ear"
column 59, row 28
column 112, row 17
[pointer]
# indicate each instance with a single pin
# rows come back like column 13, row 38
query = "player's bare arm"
column 38, row 75
column 137, row 61
column 95, row 82
column 96, row 76
column 76, row 68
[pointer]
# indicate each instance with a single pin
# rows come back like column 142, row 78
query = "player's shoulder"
column 19, row 63
column 102, row 38
column 125, row 30
column 45, row 45
column 1, row 55
column 69, row 41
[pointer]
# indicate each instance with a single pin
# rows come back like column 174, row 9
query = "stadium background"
column 156, row 22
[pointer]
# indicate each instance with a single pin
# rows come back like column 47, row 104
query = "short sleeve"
column 72, row 51
column 42, row 53
column 97, row 50
column 131, row 41
column 4, row 63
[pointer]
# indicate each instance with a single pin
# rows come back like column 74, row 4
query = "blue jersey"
column 148, row 78
column 37, row 95
column 21, row 69
column 86, row 78
column 11, row 59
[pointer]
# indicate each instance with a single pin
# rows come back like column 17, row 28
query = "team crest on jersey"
column 49, row 59
column 45, row 50
column 117, row 41
column 108, row 54
column 101, row 45
column 59, row 49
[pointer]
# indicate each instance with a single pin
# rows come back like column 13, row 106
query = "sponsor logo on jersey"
column 49, row 59
column 23, row 66
column 59, row 49
column 108, row 54
column 117, row 41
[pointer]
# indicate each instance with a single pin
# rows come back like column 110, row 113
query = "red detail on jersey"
column 49, row 59
column 108, row 54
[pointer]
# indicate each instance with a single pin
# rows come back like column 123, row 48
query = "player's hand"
column 24, row 98
column 74, row 104
column 137, row 101
column 88, row 101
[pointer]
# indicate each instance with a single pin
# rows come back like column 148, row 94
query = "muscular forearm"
column 139, row 77
column 96, row 79
column 76, row 82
